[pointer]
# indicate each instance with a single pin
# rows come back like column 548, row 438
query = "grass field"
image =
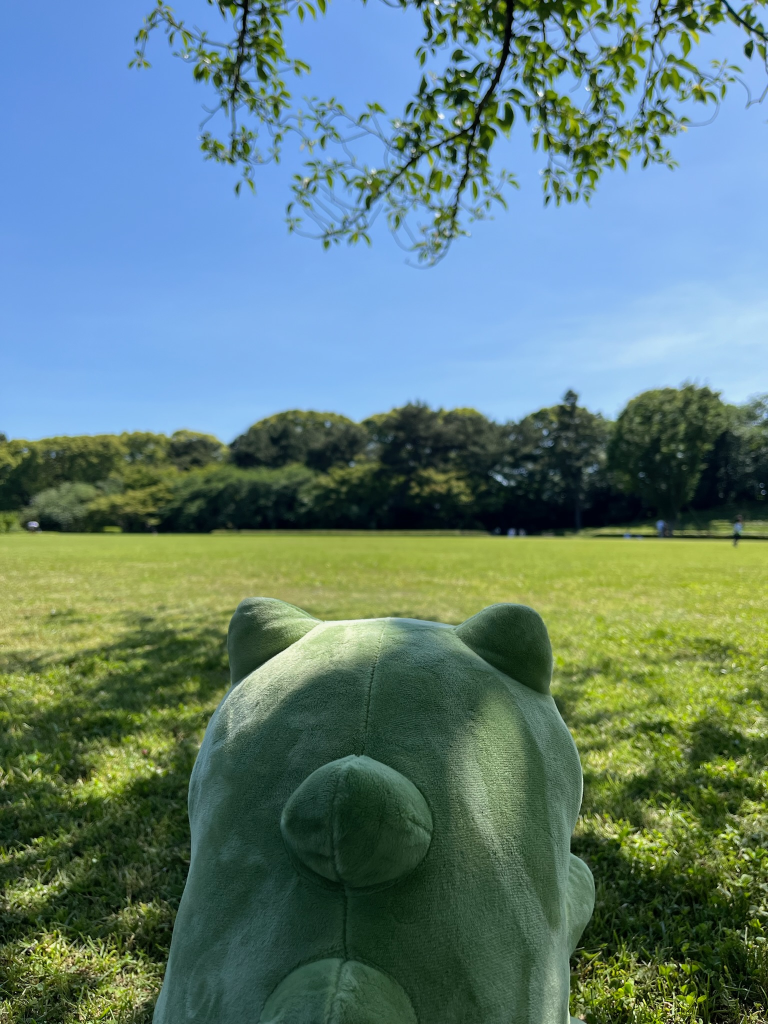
column 113, row 659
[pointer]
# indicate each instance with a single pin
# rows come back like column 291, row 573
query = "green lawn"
column 113, row 654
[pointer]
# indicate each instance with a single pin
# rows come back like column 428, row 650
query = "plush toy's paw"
column 579, row 899
column 338, row 992
column 358, row 822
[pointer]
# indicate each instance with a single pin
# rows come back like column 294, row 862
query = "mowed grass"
column 113, row 659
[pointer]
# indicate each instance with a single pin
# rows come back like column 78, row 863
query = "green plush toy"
column 381, row 816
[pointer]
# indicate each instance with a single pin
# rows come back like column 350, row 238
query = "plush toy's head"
column 381, row 815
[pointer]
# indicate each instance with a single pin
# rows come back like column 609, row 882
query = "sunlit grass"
column 113, row 654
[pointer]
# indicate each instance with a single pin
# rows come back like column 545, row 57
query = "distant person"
column 511, row 532
column 661, row 527
column 738, row 528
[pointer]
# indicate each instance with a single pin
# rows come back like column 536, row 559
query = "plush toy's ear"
column 514, row 639
column 261, row 628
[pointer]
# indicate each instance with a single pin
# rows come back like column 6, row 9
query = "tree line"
column 562, row 467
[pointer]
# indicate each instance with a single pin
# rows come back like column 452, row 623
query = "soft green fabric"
column 381, row 817
column 580, row 900
column 514, row 639
column 262, row 628
column 357, row 822
column 342, row 991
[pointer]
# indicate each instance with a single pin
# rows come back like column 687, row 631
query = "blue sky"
column 136, row 292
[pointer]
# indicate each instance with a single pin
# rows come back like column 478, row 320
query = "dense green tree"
column 188, row 449
column 373, row 497
column 474, row 446
column 66, row 507
column 142, row 448
column 424, row 450
column 661, row 441
column 434, row 499
column 134, row 509
column 577, row 448
column 414, row 437
column 407, row 439
column 318, row 440
column 592, row 84
column 555, row 459
column 226, row 497
column 114, row 461
column 350, row 497
column 414, row 468
column 184, row 449
column 29, row 467
column 737, row 467
column 754, row 427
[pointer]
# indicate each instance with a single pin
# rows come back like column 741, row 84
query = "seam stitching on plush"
column 335, row 859
column 370, row 688
column 336, row 993
column 334, row 853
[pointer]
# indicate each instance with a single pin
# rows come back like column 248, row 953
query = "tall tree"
column 556, row 453
column 593, row 84
column 660, row 443
column 579, row 439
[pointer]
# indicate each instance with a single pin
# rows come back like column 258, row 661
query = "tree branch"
column 745, row 24
column 503, row 58
column 240, row 51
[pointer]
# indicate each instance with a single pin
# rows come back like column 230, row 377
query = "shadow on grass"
column 677, row 927
column 93, row 819
column 680, row 874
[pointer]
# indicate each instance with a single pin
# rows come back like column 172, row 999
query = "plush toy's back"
column 381, row 815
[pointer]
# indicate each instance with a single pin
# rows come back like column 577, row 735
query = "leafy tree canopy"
column 228, row 497
column 65, row 507
column 412, row 467
column 415, row 437
column 132, row 459
column 188, row 449
column 593, row 82
column 737, row 466
column 315, row 439
column 660, row 442
column 557, row 452
column 28, row 467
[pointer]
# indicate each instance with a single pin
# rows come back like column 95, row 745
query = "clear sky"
column 137, row 293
